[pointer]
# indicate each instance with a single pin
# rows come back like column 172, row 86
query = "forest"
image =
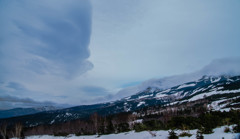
column 194, row 115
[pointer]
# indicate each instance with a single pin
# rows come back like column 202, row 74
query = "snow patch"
column 140, row 103
column 127, row 98
column 160, row 95
column 186, row 85
column 215, row 80
column 200, row 96
column 52, row 121
column 140, row 97
column 166, row 91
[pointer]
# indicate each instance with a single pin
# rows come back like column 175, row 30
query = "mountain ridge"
column 212, row 88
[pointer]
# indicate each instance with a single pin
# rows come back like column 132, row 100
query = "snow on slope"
column 218, row 134
column 215, row 80
column 186, row 85
column 200, row 96
column 140, row 103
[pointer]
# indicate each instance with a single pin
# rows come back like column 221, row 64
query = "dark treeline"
column 193, row 115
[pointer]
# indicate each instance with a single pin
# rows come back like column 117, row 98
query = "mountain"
column 221, row 87
column 24, row 111
column 221, row 93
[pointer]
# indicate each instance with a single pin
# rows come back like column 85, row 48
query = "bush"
column 140, row 127
column 123, row 127
column 154, row 125
column 236, row 129
column 227, row 130
column 172, row 135
column 184, row 134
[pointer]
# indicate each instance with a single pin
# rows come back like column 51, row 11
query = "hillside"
column 24, row 111
column 222, row 93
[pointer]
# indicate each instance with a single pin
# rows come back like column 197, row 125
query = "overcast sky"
column 81, row 52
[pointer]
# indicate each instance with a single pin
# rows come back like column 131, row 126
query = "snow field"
column 218, row 134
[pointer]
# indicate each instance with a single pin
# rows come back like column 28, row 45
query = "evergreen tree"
column 236, row 129
column 199, row 135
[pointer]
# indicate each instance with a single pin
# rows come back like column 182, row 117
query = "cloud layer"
column 43, row 44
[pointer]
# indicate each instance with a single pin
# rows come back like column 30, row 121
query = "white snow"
column 140, row 97
column 177, row 94
column 68, row 114
column 52, row 121
column 140, row 103
column 127, row 97
column 127, row 110
column 186, row 85
column 219, row 88
column 137, row 121
column 216, row 106
column 160, row 95
column 173, row 103
column 235, row 103
column 165, row 91
column 197, row 90
column 231, row 80
column 200, row 96
column 218, row 134
column 215, row 80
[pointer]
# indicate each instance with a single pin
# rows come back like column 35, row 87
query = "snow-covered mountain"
column 221, row 93
column 216, row 89
column 190, row 91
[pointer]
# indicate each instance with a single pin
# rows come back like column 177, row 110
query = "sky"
column 75, row 52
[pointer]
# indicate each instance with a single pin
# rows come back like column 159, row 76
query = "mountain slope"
column 221, row 93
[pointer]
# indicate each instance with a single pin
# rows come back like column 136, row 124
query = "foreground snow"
column 218, row 134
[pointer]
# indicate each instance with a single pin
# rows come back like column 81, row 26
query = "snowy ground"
column 218, row 134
